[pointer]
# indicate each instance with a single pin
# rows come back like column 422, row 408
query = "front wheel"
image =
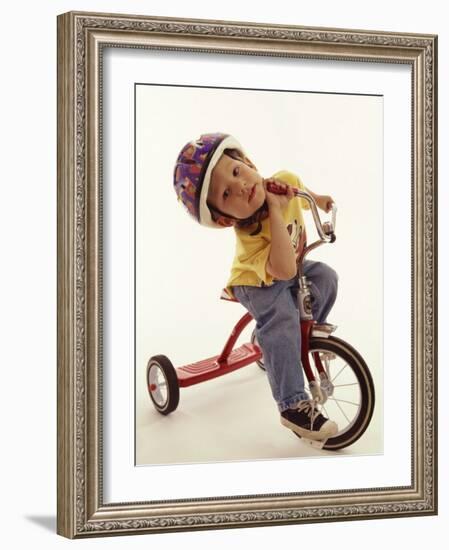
column 348, row 386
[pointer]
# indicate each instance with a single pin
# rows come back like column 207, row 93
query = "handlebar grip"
column 273, row 187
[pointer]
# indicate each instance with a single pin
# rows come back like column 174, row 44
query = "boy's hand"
column 324, row 202
column 276, row 200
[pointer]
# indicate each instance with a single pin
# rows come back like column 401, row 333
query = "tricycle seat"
column 227, row 296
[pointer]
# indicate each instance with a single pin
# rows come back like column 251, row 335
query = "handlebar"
column 326, row 230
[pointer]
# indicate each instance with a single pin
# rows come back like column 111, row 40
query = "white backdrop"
column 28, row 403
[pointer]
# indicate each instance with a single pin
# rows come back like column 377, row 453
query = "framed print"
column 173, row 411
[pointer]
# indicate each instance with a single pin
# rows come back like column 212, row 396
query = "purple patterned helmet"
column 193, row 169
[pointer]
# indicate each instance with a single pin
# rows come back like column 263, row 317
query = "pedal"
column 314, row 443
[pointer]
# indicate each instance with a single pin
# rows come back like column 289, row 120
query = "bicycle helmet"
column 193, row 169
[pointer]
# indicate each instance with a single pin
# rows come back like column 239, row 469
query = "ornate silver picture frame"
column 83, row 471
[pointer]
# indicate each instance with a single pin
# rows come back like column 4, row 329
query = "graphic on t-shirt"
column 296, row 233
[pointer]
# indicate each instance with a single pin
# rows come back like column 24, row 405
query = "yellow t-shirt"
column 252, row 251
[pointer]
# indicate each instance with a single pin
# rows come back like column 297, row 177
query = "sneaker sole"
column 328, row 429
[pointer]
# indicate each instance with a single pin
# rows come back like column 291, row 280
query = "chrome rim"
column 157, row 385
column 344, row 402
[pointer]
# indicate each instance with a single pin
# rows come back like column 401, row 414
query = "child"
column 221, row 187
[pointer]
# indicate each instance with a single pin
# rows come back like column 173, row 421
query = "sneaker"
column 307, row 421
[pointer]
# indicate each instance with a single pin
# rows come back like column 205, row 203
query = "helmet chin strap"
column 213, row 209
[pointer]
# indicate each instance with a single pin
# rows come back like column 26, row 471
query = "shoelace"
column 310, row 408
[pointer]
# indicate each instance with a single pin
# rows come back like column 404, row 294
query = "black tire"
column 254, row 341
column 162, row 384
column 357, row 416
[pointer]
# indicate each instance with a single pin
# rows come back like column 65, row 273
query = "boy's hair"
column 258, row 215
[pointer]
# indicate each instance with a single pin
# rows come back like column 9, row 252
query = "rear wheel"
column 162, row 383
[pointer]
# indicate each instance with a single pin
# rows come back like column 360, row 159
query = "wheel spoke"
column 345, row 385
column 344, row 401
column 342, row 369
column 342, row 411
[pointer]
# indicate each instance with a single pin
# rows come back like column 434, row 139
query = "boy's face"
column 236, row 189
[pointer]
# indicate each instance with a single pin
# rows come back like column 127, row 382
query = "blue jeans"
column 275, row 310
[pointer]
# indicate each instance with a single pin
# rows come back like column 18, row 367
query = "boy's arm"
column 323, row 201
column 282, row 259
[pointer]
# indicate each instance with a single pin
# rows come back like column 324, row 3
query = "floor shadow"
column 46, row 522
